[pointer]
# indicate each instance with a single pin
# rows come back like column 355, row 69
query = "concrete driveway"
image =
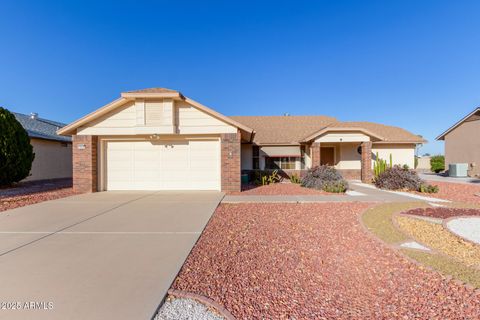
column 109, row 255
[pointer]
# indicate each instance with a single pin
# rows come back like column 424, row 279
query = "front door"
column 327, row 156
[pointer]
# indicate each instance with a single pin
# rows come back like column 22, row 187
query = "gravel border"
column 185, row 309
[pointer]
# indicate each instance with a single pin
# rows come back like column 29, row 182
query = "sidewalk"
column 358, row 192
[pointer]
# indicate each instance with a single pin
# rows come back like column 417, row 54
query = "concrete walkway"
column 357, row 192
column 109, row 255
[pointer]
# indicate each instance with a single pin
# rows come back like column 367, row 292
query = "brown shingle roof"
column 283, row 129
column 388, row 133
column 294, row 129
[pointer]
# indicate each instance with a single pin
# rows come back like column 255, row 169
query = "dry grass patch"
column 446, row 265
column 378, row 220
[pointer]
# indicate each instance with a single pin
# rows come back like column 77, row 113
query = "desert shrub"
column 294, row 178
column 325, row 178
column 437, row 163
column 263, row 178
column 16, row 152
column 428, row 188
column 398, row 178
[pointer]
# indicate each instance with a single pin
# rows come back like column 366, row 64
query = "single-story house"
column 462, row 143
column 53, row 152
column 159, row 139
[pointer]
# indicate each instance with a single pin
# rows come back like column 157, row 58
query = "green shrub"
column 437, row 163
column 325, row 178
column 398, row 178
column 294, row 178
column 16, row 152
column 428, row 188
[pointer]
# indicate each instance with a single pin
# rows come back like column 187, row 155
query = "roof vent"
column 34, row 115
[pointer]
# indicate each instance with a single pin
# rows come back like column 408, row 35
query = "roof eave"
column 336, row 129
column 159, row 95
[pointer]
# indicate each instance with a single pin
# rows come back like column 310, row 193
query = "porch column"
column 367, row 175
column 315, row 154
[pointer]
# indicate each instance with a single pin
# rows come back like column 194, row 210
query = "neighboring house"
column 53, row 152
column 158, row 139
column 462, row 143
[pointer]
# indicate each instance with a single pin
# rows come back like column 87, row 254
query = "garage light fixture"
column 155, row 136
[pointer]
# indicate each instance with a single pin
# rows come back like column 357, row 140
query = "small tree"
column 16, row 152
column 437, row 163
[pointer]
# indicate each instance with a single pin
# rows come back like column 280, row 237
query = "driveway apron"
column 109, row 255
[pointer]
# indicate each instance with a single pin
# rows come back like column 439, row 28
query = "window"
column 280, row 162
column 256, row 157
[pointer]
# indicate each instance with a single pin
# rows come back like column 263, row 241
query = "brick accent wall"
column 84, row 154
column 315, row 154
column 230, row 158
column 367, row 174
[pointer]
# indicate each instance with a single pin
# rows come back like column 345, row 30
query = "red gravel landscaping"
column 313, row 261
column 458, row 192
column 28, row 193
column 443, row 213
column 290, row 189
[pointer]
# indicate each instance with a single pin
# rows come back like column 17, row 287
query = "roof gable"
column 472, row 116
column 145, row 94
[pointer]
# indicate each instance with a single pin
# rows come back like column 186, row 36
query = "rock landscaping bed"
column 290, row 189
column 313, row 261
column 443, row 212
column 435, row 236
column 442, row 250
column 459, row 192
column 28, row 193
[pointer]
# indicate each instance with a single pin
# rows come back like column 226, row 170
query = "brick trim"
column 315, row 154
column 367, row 174
column 84, row 157
column 230, row 162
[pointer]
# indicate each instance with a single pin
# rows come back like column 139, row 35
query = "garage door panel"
column 163, row 165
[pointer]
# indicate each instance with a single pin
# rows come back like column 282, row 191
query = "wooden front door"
column 327, row 156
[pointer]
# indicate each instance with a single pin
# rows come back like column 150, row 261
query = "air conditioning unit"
column 458, row 170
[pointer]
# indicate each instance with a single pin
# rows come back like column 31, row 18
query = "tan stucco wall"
column 349, row 157
column 52, row 160
column 401, row 153
column 148, row 117
column 462, row 145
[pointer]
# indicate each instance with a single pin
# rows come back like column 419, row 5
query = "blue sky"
column 414, row 64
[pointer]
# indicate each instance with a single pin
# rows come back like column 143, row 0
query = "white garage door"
column 163, row 165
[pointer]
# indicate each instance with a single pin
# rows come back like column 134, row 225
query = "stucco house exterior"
column 158, row 139
column 462, row 143
column 53, row 152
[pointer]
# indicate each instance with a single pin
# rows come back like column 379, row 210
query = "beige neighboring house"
column 159, row 139
column 462, row 142
column 53, row 152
